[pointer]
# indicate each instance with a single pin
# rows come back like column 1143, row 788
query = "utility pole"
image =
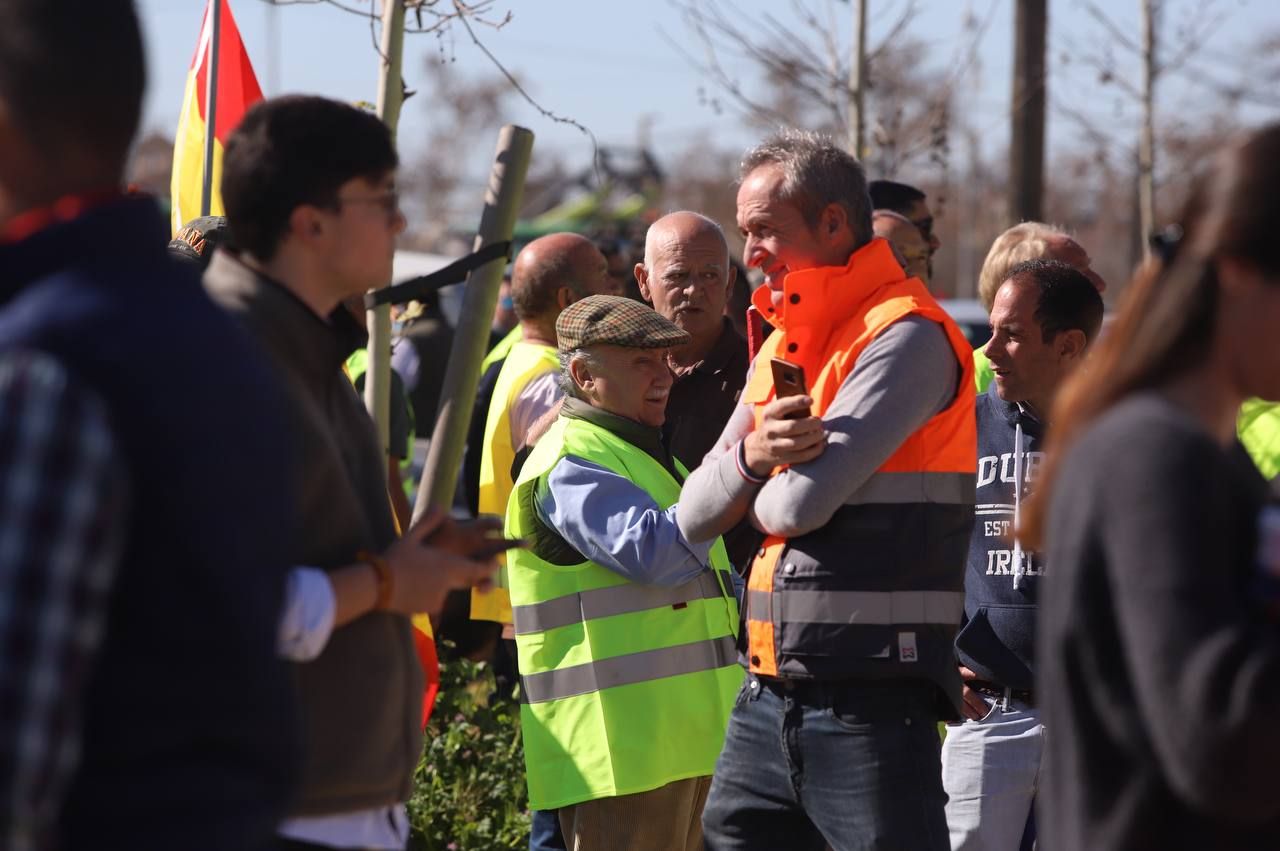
column 1146, row 142
column 857, row 80
column 377, row 377
column 1026, row 148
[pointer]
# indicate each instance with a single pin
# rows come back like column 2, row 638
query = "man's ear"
column 834, row 218
column 642, row 280
column 564, row 297
column 580, row 372
column 731, row 279
column 306, row 224
column 1071, row 344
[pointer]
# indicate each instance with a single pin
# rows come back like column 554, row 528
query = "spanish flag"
column 236, row 90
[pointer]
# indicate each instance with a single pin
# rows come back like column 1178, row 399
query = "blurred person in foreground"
column 625, row 629
column 144, row 498
column 865, row 487
column 1020, row 243
column 1043, row 320
column 1158, row 655
column 314, row 225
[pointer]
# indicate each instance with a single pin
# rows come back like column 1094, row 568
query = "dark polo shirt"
column 701, row 402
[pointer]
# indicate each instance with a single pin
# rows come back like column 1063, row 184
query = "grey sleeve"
column 616, row 524
column 905, row 376
column 716, row 496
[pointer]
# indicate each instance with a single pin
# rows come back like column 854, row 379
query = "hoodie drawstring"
column 1018, row 556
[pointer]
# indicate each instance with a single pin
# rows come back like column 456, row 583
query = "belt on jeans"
column 800, row 688
column 1003, row 693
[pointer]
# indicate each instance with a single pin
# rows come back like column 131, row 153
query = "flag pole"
column 211, row 105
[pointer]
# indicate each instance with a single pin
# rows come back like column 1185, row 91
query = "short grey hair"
column 568, row 386
column 816, row 172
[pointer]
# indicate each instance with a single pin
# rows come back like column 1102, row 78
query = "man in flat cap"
column 625, row 630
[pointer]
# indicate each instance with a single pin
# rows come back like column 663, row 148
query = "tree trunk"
column 857, row 81
column 377, row 377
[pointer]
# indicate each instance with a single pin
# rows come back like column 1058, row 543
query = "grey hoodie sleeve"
column 905, row 376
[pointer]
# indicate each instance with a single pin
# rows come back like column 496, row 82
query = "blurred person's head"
column 686, row 275
column 71, row 82
column 198, row 239
column 1199, row 323
column 504, row 312
column 1045, row 315
column 551, row 273
column 1031, row 241
column 908, row 244
column 802, row 203
column 621, row 279
column 324, row 215
column 613, row 356
column 911, row 203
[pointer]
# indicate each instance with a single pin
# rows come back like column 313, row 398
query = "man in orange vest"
column 864, row 485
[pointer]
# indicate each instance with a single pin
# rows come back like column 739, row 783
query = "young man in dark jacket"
column 1044, row 317
column 314, row 224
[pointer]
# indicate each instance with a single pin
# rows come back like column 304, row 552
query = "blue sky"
column 608, row 63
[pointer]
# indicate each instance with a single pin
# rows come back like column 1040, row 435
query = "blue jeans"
column 544, row 831
column 853, row 764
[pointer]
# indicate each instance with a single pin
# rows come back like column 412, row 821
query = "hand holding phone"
column 788, row 380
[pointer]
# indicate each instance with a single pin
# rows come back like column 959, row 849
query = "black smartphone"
column 788, row 380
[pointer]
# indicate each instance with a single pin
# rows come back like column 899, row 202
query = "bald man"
column 550, row 273
column 910, row 246
column 687, row 277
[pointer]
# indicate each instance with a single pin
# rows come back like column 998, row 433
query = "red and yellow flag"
column 237, row 90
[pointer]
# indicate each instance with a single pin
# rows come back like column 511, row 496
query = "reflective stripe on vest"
column 614, row 600
column 629, row 669
column 860, row 607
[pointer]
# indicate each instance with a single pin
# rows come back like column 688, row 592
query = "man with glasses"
column 314, row 225
column 911, row 203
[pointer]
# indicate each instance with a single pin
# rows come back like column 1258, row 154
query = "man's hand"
column 480, row 538
column 975, row 705
column 781, row 440
column 423, row 572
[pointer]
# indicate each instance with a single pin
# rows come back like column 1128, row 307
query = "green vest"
column 524, row 363
column 357, row 364
column 1259, row 429
column 983, row 374
column 625, row 687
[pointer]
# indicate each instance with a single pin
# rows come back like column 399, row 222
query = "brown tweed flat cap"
column 616, row 321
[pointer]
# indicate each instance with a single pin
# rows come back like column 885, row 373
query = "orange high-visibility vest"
column 878, row 591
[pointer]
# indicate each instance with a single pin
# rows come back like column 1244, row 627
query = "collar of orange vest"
column 65, row 209
column 825, row 295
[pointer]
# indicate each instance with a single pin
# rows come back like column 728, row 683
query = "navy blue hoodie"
column 996, row 639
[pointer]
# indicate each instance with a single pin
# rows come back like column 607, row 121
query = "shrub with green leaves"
column 469, row 790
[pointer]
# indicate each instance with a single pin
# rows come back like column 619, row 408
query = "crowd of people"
column 838, row 581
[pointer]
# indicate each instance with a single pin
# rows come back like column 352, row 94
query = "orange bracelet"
column 386, row 581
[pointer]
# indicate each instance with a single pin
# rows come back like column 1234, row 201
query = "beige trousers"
column 665, row 819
